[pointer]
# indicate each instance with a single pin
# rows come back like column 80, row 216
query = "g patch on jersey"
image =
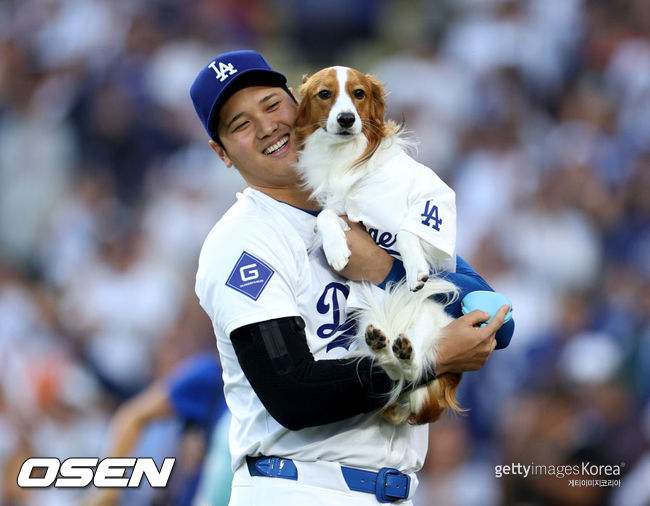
column 249, row 276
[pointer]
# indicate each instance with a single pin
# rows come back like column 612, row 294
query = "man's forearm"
column 368, row 262
column 299, row 391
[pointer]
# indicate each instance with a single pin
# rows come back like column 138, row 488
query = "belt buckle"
column 392, row 485
column 272, row 467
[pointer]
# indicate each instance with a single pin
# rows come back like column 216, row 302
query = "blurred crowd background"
column 537, row 112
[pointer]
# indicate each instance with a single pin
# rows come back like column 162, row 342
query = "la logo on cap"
column 223, row 71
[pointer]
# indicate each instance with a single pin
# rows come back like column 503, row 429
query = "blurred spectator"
column 453, row 475
column 433, row 95
column 321, row 32
column 37, row 152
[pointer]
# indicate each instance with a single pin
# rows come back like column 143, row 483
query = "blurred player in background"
column 192, row 393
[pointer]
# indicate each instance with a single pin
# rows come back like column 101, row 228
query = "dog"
column 350, row 155
column 353, row 162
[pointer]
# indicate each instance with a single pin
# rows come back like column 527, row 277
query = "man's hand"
column 466, row 347
column 368, row 261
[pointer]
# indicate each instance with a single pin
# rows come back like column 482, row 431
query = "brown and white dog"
column 353, row 162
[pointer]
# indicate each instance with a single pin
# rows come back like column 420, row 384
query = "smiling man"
column 256, row 123
column 304, row 424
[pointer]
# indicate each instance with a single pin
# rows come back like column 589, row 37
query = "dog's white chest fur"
column 326, row 166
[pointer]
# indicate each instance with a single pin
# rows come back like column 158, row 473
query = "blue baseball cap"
column 223, row 76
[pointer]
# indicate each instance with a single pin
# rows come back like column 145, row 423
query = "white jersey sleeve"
column 431, row 211
column 248, row 273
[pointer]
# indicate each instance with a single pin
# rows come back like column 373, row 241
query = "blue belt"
column 388, row 485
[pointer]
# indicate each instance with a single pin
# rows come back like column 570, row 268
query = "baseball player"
column 304, row 428
column 192, row 394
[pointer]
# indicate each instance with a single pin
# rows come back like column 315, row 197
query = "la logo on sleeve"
column 249, row 276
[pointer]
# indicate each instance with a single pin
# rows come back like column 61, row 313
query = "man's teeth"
column 277, row 145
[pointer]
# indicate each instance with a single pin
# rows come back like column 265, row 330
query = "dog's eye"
column 324, row 94
column 359, row 94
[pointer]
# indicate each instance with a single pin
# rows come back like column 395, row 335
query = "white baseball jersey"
column 256, row 265
column 400, row 193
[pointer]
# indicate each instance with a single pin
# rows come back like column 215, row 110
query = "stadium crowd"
column 537, row 113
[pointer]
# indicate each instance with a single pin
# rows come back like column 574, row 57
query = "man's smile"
column 278, row 147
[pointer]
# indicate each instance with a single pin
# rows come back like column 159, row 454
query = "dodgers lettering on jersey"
column 258, row 264
column 385, row 240
column 339, row 330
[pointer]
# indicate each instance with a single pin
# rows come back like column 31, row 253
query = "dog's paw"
column 402, row 348
column 337, row 253
column 416, row 275
column 375, row 338
column 338, row 263
column 331, row 229
column 415, row 262
column 416, row 279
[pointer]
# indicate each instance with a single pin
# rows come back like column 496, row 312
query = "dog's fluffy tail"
column 435, row 398
column 399, row 298
column 397, row 311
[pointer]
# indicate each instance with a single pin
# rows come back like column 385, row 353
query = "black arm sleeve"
column 297, row 390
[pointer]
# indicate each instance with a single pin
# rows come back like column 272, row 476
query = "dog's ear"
column 302, row 90
column 378, row 99
column 304, row 112
column 304, row 86
column 304, row 107
column 302, row 118
column 377, row 130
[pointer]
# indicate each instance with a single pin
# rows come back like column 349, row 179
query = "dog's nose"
column 345, row 119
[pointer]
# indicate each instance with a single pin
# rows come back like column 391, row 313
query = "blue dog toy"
column 490, row 302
